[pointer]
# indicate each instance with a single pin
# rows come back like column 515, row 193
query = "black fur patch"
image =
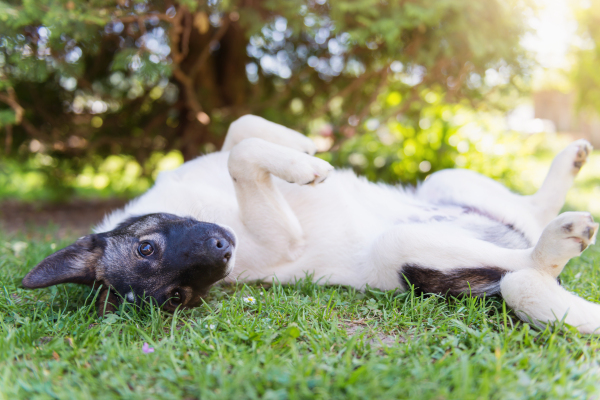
column 568, row 228
column 460, row 281
column 504, row 235
column 128, row 221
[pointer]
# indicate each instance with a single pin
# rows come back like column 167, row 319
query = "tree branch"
column 185, row 44
column 179, row 32
column 188, row 80
column 176, row 30
column 143, row 17
column 203, row 57
column 8, row 139
column 11, row 101
column 190, row 93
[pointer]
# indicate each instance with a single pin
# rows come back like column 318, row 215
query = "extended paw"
column 579, row 151
column 306, row 170
column 254, row 157
column 567, row 236
column 582, row 231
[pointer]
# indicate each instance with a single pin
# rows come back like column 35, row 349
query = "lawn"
column 285, row 341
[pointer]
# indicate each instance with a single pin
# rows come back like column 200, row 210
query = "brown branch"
column 143, row 17
column 177, row 56
column 180, row 34
column 141, row 21
column 11, row 101
column 176, row 30
column 203, row 57
column 187, row 80
column 142, row 25
column 8, row 139
column 190, row 93
column 185, row 44
column 33, row 131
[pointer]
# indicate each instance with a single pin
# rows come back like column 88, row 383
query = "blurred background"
column 97, row 97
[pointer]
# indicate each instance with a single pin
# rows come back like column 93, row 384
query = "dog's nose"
column 221, row 247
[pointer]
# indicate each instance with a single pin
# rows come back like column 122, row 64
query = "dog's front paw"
column 306, row 170
column 301, row 143
column 567, row 236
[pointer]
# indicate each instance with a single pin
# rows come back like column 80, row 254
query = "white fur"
column 130, row 296
column 349, row 231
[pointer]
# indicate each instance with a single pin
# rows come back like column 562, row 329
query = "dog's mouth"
column 230, row 264
column 229, row 261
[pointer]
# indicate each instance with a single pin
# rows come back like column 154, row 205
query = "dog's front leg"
column 266, row 215
column 251, row 126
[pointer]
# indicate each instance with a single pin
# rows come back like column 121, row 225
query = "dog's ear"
column 76, row 263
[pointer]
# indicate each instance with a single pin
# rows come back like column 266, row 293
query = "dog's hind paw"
column 567, row 236
column 578, row 153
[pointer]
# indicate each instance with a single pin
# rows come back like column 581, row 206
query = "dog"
column 265, row 204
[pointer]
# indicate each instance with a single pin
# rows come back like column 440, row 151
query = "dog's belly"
column 342, row 219
column 478, row 224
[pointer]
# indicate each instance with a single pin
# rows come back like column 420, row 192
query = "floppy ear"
column 75, row 264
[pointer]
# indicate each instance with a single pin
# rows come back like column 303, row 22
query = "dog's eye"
column 146, row 249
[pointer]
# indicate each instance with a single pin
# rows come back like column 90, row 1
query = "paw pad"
column 567, row 236
column 584, row 148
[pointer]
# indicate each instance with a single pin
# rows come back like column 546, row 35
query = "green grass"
column 296, row 341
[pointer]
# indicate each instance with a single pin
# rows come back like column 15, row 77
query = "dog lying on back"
column 263, row 205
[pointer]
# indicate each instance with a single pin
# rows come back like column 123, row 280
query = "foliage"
column 446, row 136
column 115, row 176
column 88, row 79
column 296, row 341
column 587, row 57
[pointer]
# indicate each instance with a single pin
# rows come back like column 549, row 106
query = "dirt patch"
column 375, row 339
column 45, row 339
column 73, row 219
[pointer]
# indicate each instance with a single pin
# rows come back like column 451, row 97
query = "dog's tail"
column 461, row 281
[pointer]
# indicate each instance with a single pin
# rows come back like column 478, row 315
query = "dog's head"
column 159, row 257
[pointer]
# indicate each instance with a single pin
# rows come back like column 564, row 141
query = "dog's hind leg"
column 550, row 198
column 484, row 195
column 264, row 212
column 538, row 298
column 439, row 258
column 529, row 214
